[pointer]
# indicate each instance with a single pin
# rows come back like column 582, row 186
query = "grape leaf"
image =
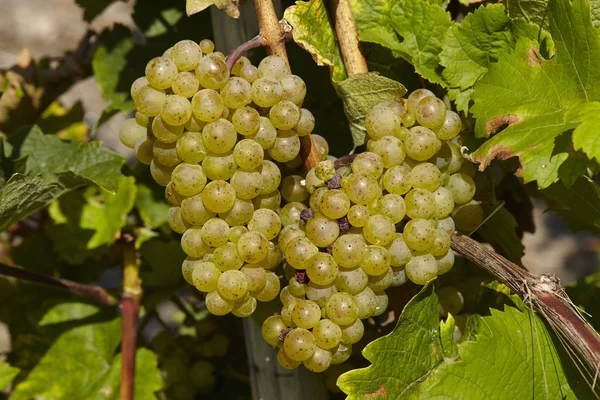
column 579, row 204
column 159, row 261
column 93, row 7
column 512, row 357
column 313, row 32
column 231, row 7
column 151, row 205
column 360, row 93
column 421, row 25
column 535, row 11
column 82, row 224
column 7, row 374
column 585, row 136
column 535, row 97
column 500, row 231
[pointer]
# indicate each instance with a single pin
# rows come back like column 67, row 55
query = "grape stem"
column 545, row 295
column 236, row 53
column 130, row 304
column 93, row 291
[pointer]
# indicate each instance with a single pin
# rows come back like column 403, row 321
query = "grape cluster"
column 376, row 220
column 213, row 137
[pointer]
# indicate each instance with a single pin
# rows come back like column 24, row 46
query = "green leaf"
column 151, row 205
column 23, row 195
column 409, row 363
column 360, row 93
column 83, row 224
column 414, row 29
column 579, row 205
column 585, row 293
column 535, row 11
column 231, row 7
column 313, row 32
column 48, row 154
column 500, row 231
column 161, row 262
column 7, row 374
column 93, row 7
column 536, row 97
column 585, row 136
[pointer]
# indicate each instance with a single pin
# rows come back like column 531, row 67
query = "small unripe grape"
column 205, row 276
column 266, row 133
column 165, row 153
column 421, row 269
column 192, row 244
column 149, row 101
column 190, row 148
column 420, row 203
column 207, row 46
column 294, row 89
column 271, row 289
column 382, row 303
column 342, row 309
column 239, row 214
column 445, row 263
column 425, row 176
column 212, row 72
column 299, row 250
column 358, row 215
column 419, row 234
column 236, row 93
column 362, row 188
column 381, row 121
column 376, row 260
column 273, row 66
column 444, row 202
column 226, row 257
column 160, row 173
column 249, row 73
column 186, row 55
column 368, row 163
column 218, row 196
column 194, row 211
column 130, row 132
column 462, row 187
column 271, row 329
column 160, row 72
column 253, row 247
column 286, row 146
column 136, row 86
column 217, row 305
column 421, row 143
column 176, row 222
column 284, row 115
column 399, row 251
column 188, row 179
column 414, row 98
column 379, row 230
column 266, row 91
column 396, row 179
column 207, row 105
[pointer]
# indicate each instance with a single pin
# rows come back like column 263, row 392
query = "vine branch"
column 347, row 37
column 93, row 291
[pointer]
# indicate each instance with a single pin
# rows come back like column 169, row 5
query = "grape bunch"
column 213, row 137
column 374, row 220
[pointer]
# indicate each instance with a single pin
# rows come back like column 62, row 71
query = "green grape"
column 449, row 160
column 286, row 297
column 248, row 154
column 299, row 344
column 425, row 176
column 450, row 128
column 468, row 217
column 299, row 250
column 187, row 268
column 321, row 230
column 420, row 203
column 348, row 251
column 321, row 145
column 445, row 263
column 421, row 143
column 186, row 55
column 188, row 179
column 284, row 115
column 236, row 232
column 212, row 72
column 136, row 86
column 286, row 315
column 312, row 182
column 271, row 176
column 215, row 232
column 319, row 361
column 390, row 149
column 160, row 72
column 444, row 203
column 190, row 148
column 286, row 146
column 379, row 230
column 414, row 98
column 421, row 269
column 381, row 282
column 306, row 123
column 160, row 173
column 381, row 121
column 207, row 46
column 271, row 201
column 305, row 314
column 396, row 179
column 144, row 149
column 399, row 277
column 236, row 93
column 239, row 214
column 325, row 170
column 226, row 257
column 239, row 64
column 419, row 234
column 130, row 132
column 245, row 308
column 327, row 334
column 342, row 308
column 217, row 305
column 266, row 91
column 219, row 136
column 253, row 247
column 164, row 132
column 194, row 124
column 265, row 221
column 219, row 166
column 249, row 73
column 271, row 329
column 287, row 234
column 322, row 269
column 352, row 333
column 399, row 251
column 296, row 288
column 368, row 163
column 218, row 196
column 335, row 204
column 285, row 361
column 462, row 187
column 207, row 105
column 232, row 285
column 320, row 294
column 172, row 196
column 431, row 112
column 382, row 303
column 315, row 199
column 341, row 353
column 176, row 222
column 271, row 289
column 446, row 224
column 367, row 302
column 185, row 84
column 194, row 212
column 451, row 301
column 294, row 89
column 149, row 101
column 376, row 260
column 358, row 215
column 247, row 184
column 441, row 243
column 205, row 276
column 255, row 276
column 393, row 207
column 361, row 188
column 266, row 134
column 274, row 67
column 176, row 111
